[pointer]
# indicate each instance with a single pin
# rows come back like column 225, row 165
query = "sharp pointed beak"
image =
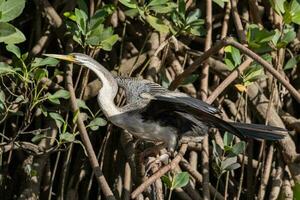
column 69, row 58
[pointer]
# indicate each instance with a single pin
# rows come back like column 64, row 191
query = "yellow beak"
column 69, row 58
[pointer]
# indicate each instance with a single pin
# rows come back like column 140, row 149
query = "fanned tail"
column 258, row 131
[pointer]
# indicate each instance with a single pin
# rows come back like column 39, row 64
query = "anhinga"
column 157, row 114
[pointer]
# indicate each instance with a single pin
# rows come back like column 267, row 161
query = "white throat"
column 106, row 98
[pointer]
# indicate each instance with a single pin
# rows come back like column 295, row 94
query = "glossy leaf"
column 157, row 2
column 10, row 9
column 108, row 43
column 193, row 16
column 233, row 167
column 60, row 94
column 59, row 121
column 100, row 15
column 81, row 20
column 44, row 62
column 225, row 164
column 129, row 3
column 96, row 123
column 14, row 49
column 292, row 62
column 6, row 69
column 239, row 148
column 82, row 104
column 157, row 24
column 163, row 9
column 10, row 34
column 39, row 74
column 228, row 138
column 180, row 180
column 67, row 137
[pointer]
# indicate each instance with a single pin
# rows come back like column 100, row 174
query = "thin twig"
column 85, row 138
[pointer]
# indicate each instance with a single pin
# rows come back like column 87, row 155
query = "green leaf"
column 100, row 16
column 163, row 9
column 10, row 34
column 129, row 3
column 61, row 94
column 166, row 180
column 96, row 123
column 59, row 121
column 45, row 62
column 228, row 138
column 54, row 98
column 132, row 12
column 292, row 62
column 278, row 6
column 239, row 148
column 10, row 9
column 81, row 20
column 157, row 2
column 6, row 69
column 193, row 16
column 70, row 15
column 225, row 164
column 217, row 150
column 180, row 180
column 190, row 79
column 108, row 43
column 253, row 73
column 157, row 24
column 39, row 74
column 295, row 11
column 66, row 137
column 288, row 36
column 14, row 49
column 81, row 104
column 233, row 167
column 43, row 110
column 234, row 54
column 197, row 30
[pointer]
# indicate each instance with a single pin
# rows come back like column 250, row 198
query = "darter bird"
column 155, row 113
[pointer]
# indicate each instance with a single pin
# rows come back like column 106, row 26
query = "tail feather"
column 258, row 131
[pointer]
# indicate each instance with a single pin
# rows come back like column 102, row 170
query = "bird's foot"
column 164, row 158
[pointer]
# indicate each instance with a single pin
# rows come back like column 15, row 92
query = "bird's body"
column 157, row 114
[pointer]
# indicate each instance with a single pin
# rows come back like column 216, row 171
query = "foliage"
column 226, row 156
column 91, row 31
column 9, row 10
column 177, row 181
column 166, row 16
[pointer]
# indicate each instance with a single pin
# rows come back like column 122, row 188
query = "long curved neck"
column 108, row 91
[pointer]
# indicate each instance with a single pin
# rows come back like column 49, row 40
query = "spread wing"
column 144, row 89
column 153, row 100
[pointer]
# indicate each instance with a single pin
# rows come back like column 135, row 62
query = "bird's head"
column 77, row 58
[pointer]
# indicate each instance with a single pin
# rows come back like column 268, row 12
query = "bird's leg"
column 150, row 151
